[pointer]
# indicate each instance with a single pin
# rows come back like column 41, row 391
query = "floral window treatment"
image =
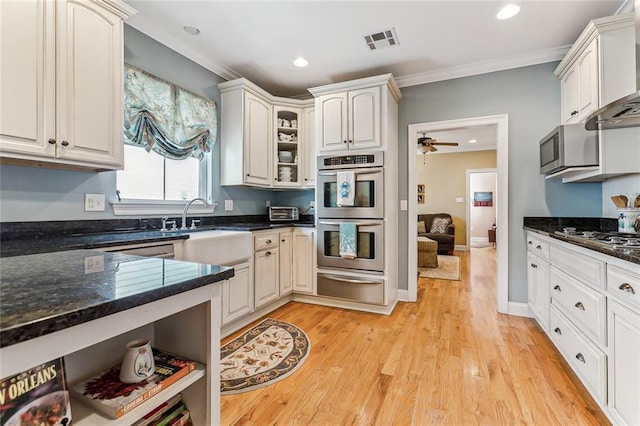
column 165, row 118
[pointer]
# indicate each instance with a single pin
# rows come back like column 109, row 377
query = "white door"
column 303, row 260
column 257, row 140
column 309, row 148
column 364, row 118
column 237, row 294
column 570, row 96
column 266, row 277
column 286, row 285
column 588, row 81
column 331, row 120
column 89, row 91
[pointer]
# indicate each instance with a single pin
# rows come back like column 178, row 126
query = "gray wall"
column 531, row 97
column 32, row 194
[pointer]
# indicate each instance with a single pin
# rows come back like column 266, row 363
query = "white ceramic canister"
column 628, row 219
column 138, row 363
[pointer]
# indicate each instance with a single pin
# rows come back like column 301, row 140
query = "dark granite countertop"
column 549, row 225
column 44, row 293
column 259, row 226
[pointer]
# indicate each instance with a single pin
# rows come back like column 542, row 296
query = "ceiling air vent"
column 386, row 38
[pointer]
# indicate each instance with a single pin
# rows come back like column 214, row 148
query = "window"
column 150, row 176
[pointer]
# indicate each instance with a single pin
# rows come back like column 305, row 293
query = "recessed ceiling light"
column 190, row 29
column 473, row 140
column 300, row 62
column 508, row 11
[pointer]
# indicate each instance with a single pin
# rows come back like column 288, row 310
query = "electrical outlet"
column 94, row 202
column 228, row 205
column 459, row 200
column 93, row 264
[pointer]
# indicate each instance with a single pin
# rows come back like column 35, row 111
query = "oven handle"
column 349, row 280
column 322, row 222
column 363, row 172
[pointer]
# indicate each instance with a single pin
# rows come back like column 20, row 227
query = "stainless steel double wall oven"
column 367, row 213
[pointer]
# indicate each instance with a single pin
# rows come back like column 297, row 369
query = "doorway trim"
column 468, row 198
column 502, row 211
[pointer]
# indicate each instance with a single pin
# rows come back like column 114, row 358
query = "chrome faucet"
column 184, row 212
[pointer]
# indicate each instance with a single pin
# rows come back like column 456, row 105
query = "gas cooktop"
column 615, row 241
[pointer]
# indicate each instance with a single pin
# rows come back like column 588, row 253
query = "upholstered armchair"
column 438, row 227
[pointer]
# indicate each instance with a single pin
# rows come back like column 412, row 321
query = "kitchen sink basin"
column 218, row 247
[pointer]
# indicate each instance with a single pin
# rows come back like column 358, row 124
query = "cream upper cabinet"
column 599, row 67
column 349, row 120
column 310, row 148
column 288, row 155
column 62, row 84
column 257, row 140
column 356, row 114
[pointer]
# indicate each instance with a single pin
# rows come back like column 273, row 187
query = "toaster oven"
column 283, row 213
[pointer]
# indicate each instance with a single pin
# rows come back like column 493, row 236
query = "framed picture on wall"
column 420, row 198
column 483, row 199
column 421, row 188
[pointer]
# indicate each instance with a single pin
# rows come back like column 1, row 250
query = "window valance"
column 165, row 118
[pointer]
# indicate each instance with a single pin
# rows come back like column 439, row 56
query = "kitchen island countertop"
column 46, row 292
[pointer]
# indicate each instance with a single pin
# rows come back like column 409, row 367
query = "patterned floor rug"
column 448, row 269
column 263, row 355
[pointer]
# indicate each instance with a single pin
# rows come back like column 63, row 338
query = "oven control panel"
column 350, row 161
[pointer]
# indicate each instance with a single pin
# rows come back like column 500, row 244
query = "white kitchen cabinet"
column 538, row 288
column 354, row 115
column 304, row 260
column 61, row 86
column 266, row 268
column 310, row 148
column 286, row 282
column 237, row 293
column 624, row 364
column 288, row 155
column 580, row 86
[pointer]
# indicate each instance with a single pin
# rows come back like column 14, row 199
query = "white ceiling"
column 486, row 136
column 438, row 40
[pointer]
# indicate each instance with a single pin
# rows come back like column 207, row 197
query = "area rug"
column 263, row 355
column 448, row 269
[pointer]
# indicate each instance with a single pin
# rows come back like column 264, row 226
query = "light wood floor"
column 448, row 359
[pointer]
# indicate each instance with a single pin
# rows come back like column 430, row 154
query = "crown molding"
column 147, row 27
column 483, row 67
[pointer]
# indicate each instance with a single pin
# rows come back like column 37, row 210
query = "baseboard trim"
column 520, row 309
column 403, row 296
column 460, row 247
column 243, row 321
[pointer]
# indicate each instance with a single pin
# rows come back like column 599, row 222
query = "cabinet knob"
column 52, row 141
column 64, row 143
column 344, row 141
column 283, row 241
column 268, row 253
column 539, row 247
column 627, row 287
column 533, row 265
column 268, row 241
column 557, row 287
column 350, row 141
column 580, row 357
column 580, row 306
column 574, row 112
column 530, row 242
column 557, row 330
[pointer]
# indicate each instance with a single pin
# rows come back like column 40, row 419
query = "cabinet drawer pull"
column 64, row 143
column 580, row 306
column 557, row 331
column 580, row 357
column 533, row 265
column 557, row 287
column 268, row 253
column 574, row 112
column 627, row 287
column 52, row 141
column 283, row 241
column 268, row 241
column 539, row 247
column 530, row 243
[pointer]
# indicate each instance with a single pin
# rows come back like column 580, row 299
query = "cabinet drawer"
column 583, row 305
column 266, row 241
column 537, row 245
column 623, row 284
column 589, row 362
column 580, row 266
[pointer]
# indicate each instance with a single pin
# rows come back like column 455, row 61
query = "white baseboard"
column 460, row 247
column 236, row 325
column 520, row 309
column 479, row 240
column 403, row 296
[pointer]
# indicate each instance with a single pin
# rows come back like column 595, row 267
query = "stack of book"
column 107, row 394
column 170, row 413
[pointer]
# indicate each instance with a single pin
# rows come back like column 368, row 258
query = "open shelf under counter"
column 85, row 415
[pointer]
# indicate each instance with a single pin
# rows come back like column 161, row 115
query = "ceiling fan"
column 427, row 144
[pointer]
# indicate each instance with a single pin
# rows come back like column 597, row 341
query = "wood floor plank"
column 448, row 359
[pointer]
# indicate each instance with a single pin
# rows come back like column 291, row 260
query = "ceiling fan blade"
column 445, row 143
column 432, row 148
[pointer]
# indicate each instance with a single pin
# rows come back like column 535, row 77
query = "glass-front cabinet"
column 288, row 149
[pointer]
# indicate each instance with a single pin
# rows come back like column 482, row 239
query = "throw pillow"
column 439, row 225
column 422, row 228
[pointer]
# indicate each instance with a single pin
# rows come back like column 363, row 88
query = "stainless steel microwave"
column 568, row 145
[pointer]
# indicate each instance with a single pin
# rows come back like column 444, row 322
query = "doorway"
column 417, row 130
column 481, row 207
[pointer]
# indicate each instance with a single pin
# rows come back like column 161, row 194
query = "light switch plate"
column 403, row 205
column 459, row 200
column 94, row 202
column 228, row 205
